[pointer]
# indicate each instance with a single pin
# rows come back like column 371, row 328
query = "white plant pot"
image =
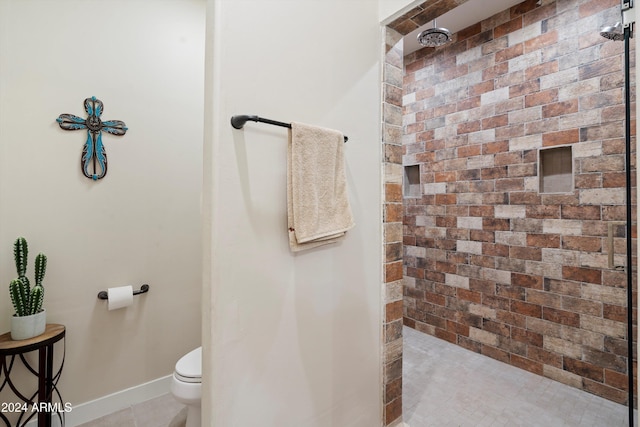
column 26, row 327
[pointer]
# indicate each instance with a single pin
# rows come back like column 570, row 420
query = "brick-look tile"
column 527, row 281
column 615, row 346
column 545, row 357
column 393, row 233
column 543, row 211
column 582, row 274
column 605, row 360
column 530, row 89
column 543, row 240
column 560, row 316
column 393, row 212
column 591, row 7
column 545, row 299
column 393, row 331
column 607, row 327
column 541, row 98
column 613, row 213
column 562, row 376
column 581, row 212
column 436, row 299
column 543, row 327
column 511, row 292
column 393, row 410
column 604, row 294
column 393, row 350
column 562, row 226
column 525, row 198
column 602, row 164
column 446, row 335
column 598, row 101
column 510, row 238
column 561, row 108
column 492, row 264
column 541, row 41
column 605, row 391
column 393, row 252
column 525, row 253
column 446, row 199
column 392, row 153
column 508, row 27
column 393, row 193
column 582, row 306
column 495, row 353
column 593, row 180
column 393, row 94
column 393, row 311
column 393, row 390
column 598, row 68
column 613, row 179
column 469, row 295
column 582, row 243
column 584, row 369
column 527, row 309
column 527, row 364
column 614, row 312
column 561, row 137
column 563, row 347
column 616, row 380
column 497, row 250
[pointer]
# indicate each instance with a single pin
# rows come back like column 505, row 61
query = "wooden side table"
column 43, row 406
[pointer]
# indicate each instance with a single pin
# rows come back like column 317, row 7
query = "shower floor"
column 447, row 385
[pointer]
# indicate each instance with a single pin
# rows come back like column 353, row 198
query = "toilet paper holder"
column 143, row 289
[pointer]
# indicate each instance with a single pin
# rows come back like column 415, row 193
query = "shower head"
column 614, row 33
column 434, row 37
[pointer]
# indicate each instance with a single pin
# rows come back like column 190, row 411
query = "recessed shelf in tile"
column 411, row 181
column 556, row 170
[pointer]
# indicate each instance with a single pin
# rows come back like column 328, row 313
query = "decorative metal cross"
column 93, row 152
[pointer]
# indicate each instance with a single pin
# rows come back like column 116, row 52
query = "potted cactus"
column 30, row 318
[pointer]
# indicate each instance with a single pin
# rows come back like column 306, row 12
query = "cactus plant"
column 20, row 253
column 26, row 300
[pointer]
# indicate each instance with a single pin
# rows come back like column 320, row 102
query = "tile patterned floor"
column 446, row 385
column 162, row 411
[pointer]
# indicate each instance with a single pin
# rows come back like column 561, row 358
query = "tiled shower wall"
column 392, row 217
column 491, row 263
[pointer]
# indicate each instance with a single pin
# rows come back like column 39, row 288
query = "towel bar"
column 238, row 122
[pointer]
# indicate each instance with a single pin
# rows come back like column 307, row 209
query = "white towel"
column 318, row 207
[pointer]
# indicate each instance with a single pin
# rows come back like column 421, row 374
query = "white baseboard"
column 88, row 411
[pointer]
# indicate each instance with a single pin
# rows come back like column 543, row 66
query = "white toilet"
column 186, row 385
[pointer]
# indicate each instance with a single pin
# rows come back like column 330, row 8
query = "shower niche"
column 411, row 181
column 556, row 170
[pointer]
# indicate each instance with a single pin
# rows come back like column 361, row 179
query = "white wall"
column 295, row 339
column 388, row 10
column 141, row 223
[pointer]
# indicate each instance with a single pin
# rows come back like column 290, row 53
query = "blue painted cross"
column 93, row 152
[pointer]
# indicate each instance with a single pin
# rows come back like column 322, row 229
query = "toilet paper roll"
column 120, row 297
